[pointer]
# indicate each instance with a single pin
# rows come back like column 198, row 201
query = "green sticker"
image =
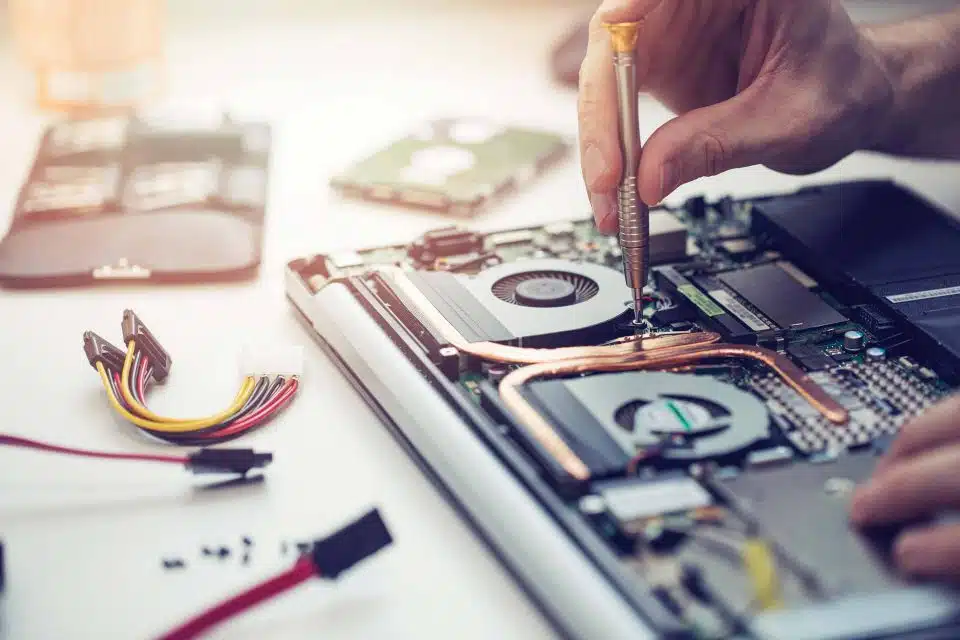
column 704, row 303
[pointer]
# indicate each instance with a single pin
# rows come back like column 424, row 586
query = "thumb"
column 739, row 132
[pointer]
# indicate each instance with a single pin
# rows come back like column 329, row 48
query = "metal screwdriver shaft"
column 633, row 213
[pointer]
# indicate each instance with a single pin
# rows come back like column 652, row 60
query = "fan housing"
column 545, row 288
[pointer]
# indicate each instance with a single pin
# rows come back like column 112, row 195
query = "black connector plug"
column 351, row 545
column 100, row 351
column 134, row 329
column 238, row 461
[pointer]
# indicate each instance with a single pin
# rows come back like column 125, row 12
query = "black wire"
column 135, row 376
column 115, row 389
column 261, row 394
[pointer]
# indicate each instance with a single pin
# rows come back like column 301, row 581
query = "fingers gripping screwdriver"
column 634, row 216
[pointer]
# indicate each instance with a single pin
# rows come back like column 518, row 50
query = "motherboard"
column 712, row 450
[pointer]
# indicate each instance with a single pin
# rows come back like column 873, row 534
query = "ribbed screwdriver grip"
column 634, row 232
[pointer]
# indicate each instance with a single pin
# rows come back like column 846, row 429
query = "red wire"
column 264, row 412
column 299, row 573
column 272, row 406
column 142, row 381
column 16, row 441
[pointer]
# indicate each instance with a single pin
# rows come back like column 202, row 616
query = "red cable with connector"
column 17, row 441
column 203, row 461
column 302, row 571
column 328, row 558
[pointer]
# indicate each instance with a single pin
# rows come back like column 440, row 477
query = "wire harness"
column 328, row 558
column 127, row 375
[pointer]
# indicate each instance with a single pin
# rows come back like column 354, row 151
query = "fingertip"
column 648, row 176
column 604, row 206
column 656, row 184
column 884, row 464
column 860, row 507
column 909, row 553
column 649, row 191
column 662, row 170
column 608, row 226
column 600, row 170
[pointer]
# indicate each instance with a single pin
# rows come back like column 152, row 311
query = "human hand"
column 918, row 478
column 792, row 85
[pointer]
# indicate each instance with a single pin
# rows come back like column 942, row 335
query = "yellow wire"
column 762, row 569
column 246, row 390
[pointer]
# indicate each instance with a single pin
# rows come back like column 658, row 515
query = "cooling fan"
column 611, row 417
column 545, row 302
column 545, row 289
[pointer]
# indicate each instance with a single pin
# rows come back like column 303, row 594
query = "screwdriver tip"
column 637, row 306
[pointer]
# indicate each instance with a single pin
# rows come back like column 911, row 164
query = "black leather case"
column 138, row 200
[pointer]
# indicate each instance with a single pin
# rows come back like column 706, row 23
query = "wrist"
column 890, row 134
column 921, row 59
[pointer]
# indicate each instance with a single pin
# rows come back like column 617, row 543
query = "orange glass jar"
column 91, row 55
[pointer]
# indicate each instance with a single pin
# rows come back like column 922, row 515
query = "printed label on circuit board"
column 743, row 314
column 929, row 294
column 702, row 302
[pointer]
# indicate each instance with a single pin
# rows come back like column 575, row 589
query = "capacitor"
column 854, row 341
column 875, row 354
column 495, row 373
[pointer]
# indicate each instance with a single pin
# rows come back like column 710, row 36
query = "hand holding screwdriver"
column 792, row 85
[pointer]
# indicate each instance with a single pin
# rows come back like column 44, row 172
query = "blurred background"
column 336, row 79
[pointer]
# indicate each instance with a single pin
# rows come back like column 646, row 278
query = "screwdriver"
column 634, row 216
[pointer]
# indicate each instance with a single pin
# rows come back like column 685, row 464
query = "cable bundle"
column 126, row 376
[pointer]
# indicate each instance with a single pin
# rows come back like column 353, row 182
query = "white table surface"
column 84, row 540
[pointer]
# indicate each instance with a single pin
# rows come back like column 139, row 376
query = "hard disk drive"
column 689, row 482
column 456, row 166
